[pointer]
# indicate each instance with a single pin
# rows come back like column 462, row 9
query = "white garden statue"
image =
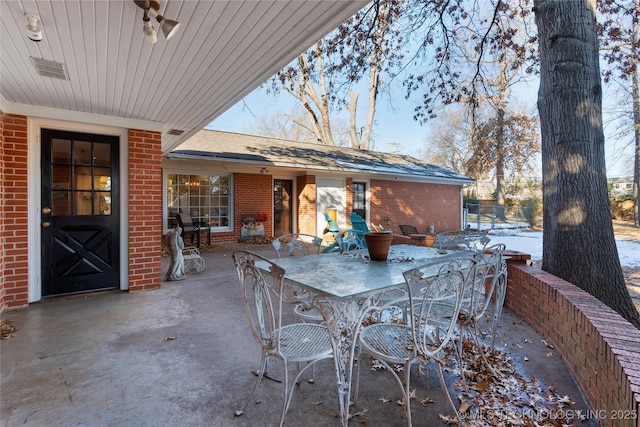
column 176, row 269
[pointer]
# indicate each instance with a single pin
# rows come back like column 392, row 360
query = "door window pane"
column 82, row 153
column 360, row 199
column 101, row 154
column 81, row 178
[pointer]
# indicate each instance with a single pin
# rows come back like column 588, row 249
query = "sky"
column 394, row 130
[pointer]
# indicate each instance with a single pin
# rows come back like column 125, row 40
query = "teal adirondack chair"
column 335, row 230
column 358, row 223
column 346, row 240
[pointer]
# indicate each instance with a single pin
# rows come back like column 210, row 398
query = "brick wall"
column 415, row 203
column 2, row 203
column 15, row 274
column 145, row 210
column 601, row 349
column 306, row 187
column 253, row 194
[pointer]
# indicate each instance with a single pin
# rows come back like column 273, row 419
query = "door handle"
column 46, row 211
column 46, row 224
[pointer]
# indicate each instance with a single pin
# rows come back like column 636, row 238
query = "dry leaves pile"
column 493, row 393
column 6, row 329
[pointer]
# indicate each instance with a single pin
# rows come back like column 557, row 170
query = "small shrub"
column 532, row 211
column 469, row 200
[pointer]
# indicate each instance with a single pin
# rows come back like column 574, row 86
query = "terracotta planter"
column 378, row 244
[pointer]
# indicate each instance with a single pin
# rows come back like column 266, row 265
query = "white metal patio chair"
column 472, row 240
column 193, row 262
column 432, row 321
column 488, row 292
column 297, row 244
column 264, row 295
column 350, row 240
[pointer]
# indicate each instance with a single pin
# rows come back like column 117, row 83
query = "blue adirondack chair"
column 335, row 230
column 358, row 223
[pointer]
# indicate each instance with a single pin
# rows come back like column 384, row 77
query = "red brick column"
column 14, row 273
column 307, row 215
column 145, row 210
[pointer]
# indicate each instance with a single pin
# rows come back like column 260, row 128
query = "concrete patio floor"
column 182, row 356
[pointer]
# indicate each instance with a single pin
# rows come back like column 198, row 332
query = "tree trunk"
column 578, row 240
column 500, row 180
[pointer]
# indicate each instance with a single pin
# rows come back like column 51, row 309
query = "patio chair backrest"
column 358, row 223
column 472, row 240
column 407, row 229
column 185, row 222
column 333, row 227
column 490, row 285
column 296, row 244
column 262, row 297
column 434, row 309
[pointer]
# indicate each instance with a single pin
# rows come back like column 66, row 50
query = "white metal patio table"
column 345, row 287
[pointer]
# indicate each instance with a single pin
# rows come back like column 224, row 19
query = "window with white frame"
column 205, row 197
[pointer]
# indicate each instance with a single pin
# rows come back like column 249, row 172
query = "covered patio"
column 183, row 355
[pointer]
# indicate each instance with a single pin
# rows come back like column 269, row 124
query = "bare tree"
column 323, row 79
column 578, row 240
column 294, row 126
column 448, row 142
column 507, row 142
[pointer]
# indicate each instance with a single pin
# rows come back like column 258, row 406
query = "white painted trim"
column 34, row 176
column 81, row 118
column 166, row 170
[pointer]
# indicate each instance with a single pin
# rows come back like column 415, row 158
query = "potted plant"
column 379, row 241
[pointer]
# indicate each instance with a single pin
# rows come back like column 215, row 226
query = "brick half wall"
column 601, row 349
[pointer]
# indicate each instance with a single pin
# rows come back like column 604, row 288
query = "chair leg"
column 445, row 390
column 259, row 376
column 407, row 392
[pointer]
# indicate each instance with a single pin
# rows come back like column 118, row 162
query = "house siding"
column 253, row 194
column 415, row 203
column 145, row 210
column 14, row 274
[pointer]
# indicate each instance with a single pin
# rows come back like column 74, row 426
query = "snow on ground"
column 531, row 242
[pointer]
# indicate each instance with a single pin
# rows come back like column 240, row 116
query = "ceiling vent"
column 175, row 132
column 46, row 68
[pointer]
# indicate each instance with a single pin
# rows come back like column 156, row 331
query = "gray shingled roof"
column 241, row 148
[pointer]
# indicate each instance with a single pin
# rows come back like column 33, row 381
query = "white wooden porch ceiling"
column 223, row 50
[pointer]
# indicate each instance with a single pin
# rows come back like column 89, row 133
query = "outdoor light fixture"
column 264, row 171
column 169, row 26
column 34, row 30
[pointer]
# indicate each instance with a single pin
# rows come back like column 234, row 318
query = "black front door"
column 80, row 212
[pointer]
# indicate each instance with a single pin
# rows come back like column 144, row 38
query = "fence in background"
column 484, row 217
